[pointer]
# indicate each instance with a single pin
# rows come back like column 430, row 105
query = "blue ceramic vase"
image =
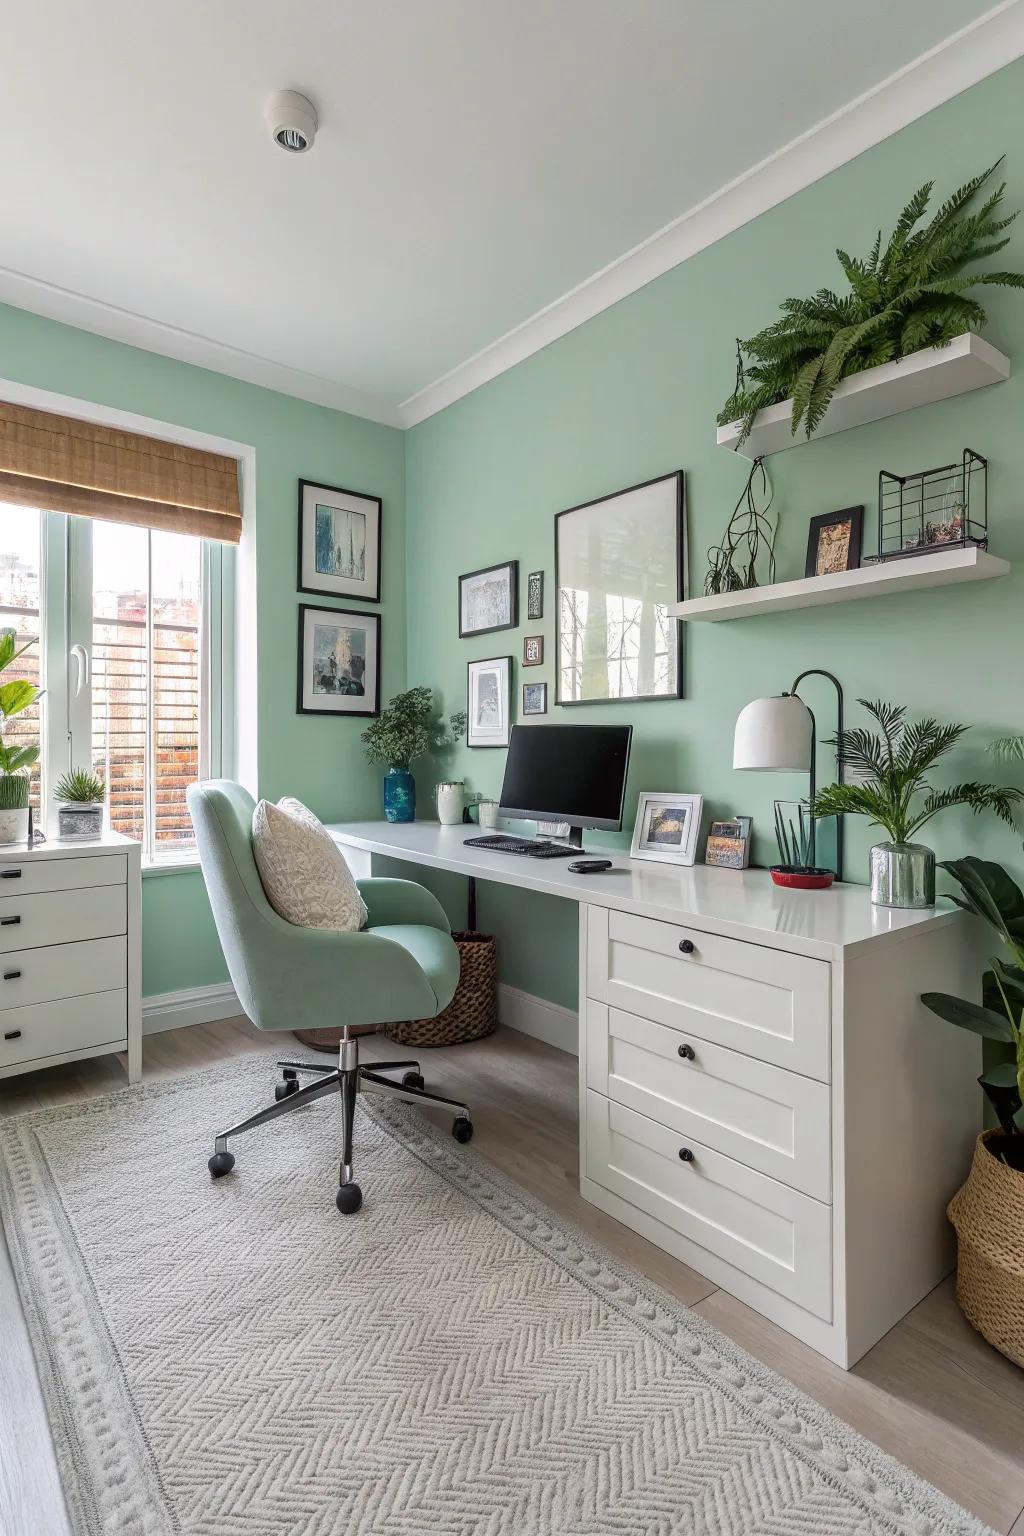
column 399, row 795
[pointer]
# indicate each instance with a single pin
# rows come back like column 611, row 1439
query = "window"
column 130, row 630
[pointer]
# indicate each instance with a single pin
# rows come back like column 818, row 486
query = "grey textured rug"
column 236, row 1359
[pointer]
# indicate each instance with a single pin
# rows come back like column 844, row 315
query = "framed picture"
column 618, row 565
column 833, row 542
column 535, row 698
column 728, row 844
column 489, row 600
column 489, row 705
column 533, row 650
column 339, row 542
column 535, row 595
column 339, row 662
column 666, row 827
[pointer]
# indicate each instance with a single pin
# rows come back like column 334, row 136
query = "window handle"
column 80, row 656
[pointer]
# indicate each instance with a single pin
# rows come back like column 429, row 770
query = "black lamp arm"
column 840, row 764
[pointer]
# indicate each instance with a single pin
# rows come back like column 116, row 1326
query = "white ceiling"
column 477, row 159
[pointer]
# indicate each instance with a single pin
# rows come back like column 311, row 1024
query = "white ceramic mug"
column 489, row 815
column 451, row 800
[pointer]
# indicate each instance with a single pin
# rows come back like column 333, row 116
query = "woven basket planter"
column 471, row 1014
column 988, row 1214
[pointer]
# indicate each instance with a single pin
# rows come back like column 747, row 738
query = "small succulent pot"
column 399, row 795
column 80, row 821
column 451, row 802
column 13, row 808
column 902, row 875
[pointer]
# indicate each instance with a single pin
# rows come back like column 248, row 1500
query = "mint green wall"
column 320, row 760
column 633, row 394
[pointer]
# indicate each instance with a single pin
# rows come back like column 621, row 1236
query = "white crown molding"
column 31, row 293
column 960, row 61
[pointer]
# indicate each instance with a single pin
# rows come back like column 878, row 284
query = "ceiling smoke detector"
column 291, row 119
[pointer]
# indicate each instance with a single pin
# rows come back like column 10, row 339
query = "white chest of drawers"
column 70, row 953
column 778, row 1109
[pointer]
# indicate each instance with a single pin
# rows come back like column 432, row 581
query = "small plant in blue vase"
column 407, row 728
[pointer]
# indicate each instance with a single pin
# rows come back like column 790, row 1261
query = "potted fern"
column 892, row 790
column 16, row 760
column 79, row 795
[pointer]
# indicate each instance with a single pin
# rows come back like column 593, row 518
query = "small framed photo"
column 339, row 662
column 339, row 542
column 535, row 595
column 533, row 650
column 728, row 844
column 535, row 698
column 666, row 827
column 489, row 706
column 833, row 542
column 489, row 600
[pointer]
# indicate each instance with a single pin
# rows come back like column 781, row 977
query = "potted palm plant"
column 16, row 760
column 892, row 790
column 79, row 795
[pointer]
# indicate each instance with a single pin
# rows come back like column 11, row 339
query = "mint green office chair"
column 403, row 965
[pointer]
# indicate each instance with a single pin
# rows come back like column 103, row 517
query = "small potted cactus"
column 79, row 796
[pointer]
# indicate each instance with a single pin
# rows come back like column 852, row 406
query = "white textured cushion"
column 304, row 874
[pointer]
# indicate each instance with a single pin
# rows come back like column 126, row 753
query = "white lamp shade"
column 773, row 735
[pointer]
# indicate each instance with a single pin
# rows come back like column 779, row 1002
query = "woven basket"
column 988, row 1214
column 471, row 1014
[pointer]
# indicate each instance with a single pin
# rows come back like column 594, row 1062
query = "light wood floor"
column 932, row 1393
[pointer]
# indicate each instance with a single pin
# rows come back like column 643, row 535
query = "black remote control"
column 589, row 866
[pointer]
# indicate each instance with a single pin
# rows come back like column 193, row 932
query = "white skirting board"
column 532, row 1015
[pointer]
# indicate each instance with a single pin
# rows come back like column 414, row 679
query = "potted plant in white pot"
column 891, row 789
column 79, row 796
column 16, row 759
column 988, row 1212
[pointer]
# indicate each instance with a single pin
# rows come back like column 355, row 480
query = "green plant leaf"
column 972, row 1016
column 17, row 696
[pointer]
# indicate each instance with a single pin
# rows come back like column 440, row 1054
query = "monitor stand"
column 573, row 838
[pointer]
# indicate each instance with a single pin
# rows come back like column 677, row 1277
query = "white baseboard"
column 535, row 1016
column 192, row 1005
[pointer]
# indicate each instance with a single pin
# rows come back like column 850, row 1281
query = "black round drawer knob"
column 687, row 947
column 685, row 1155
column 688, row 1053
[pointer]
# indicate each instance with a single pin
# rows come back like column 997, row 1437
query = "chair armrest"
column 401, row 901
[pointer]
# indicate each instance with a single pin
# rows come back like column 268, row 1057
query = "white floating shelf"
column 937, row 373
column 901, row 575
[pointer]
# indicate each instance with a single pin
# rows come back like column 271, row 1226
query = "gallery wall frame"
column 324, row 689
column 491, row 676
column 341, row 528
column 504, row 599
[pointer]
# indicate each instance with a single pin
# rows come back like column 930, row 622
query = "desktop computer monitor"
column 573, row 773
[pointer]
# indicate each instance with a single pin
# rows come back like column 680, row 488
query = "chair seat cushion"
column 303, row 871
column 434, row 951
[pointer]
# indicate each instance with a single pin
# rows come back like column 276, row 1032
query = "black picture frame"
column 533, row 661
column 535, row 596
column 852, row 515
column 542, row 688
column 363, row 619
column 678, row 476
column 512, row 567
column 372, row 596
column 487, row 661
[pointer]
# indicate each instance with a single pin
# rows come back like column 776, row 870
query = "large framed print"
column 619, row 564
column 339, row 662
column 489, row 600
column 339, row 542
column 489, row 702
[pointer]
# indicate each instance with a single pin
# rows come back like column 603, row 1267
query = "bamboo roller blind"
column 64, row 465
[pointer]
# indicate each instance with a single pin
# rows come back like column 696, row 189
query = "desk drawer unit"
column 61, row 970
column 28, row 878
column 774, row 1121
column 771, row 1232
column 68, row 1025
column 763, row 1002
column 62, row 917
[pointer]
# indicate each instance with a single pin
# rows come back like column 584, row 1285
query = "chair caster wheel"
column 462, row 1129
column 412, row 1080
column 220, row 1164
column 348, row 1199
column 289, row 1086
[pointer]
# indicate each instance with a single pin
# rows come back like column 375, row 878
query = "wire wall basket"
column 934, row 509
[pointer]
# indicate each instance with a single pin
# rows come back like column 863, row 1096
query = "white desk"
column 762, row 1092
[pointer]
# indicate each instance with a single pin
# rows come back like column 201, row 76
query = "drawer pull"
column 10, row 874
column 13, row 1034
column 685, row 1155
column 11, row 975
column 9, row 922
column 688, row 1053
column 687, row 947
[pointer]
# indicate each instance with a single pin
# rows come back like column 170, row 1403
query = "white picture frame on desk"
column 666, row 827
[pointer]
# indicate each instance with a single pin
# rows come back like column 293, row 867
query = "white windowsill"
column 170, row 867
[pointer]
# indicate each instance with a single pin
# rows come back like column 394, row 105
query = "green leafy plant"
column 79, row 787
column 1009, row 749
column 17, row 695
column 410, row 727
column 892, row 765
column 912, row 294
column 988, row 891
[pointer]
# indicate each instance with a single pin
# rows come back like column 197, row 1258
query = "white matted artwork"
column 489, row 704
column 666, row 827
column 339, row 542
column 339, row 662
